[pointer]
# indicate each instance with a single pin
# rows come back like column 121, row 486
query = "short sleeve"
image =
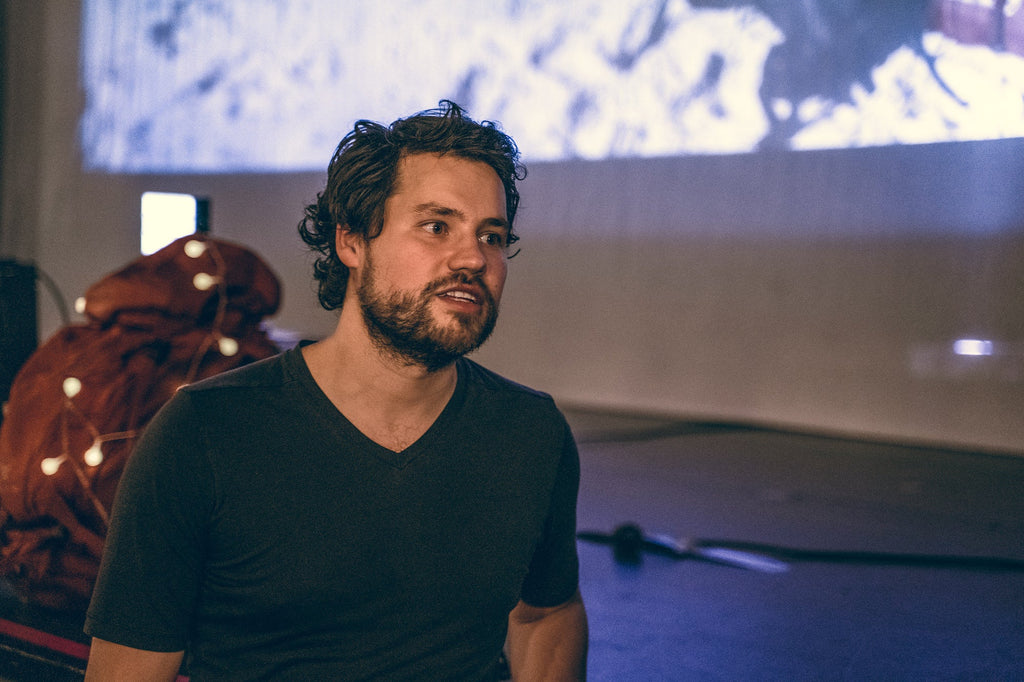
column 553, row 576
column 151, row 569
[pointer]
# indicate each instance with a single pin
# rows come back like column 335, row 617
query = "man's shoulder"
column 493, row 394
column 488, row 380
column 243, row 395
column 270, row 371
column 494, row 404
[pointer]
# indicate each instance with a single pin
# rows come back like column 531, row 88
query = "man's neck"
column 389, row 400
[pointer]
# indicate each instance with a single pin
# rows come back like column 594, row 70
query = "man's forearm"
column 110, row 661
column 548, row 643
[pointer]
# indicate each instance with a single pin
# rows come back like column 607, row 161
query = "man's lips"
column 464, row 294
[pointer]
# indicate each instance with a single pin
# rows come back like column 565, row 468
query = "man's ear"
column 350, row 246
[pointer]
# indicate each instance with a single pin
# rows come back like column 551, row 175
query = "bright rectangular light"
column 973, row 347
column 166, row 216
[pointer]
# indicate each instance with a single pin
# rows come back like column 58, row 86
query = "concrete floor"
column 860, row 610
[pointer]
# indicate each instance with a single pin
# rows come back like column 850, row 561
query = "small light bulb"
column 228, row 347
column 94, row 455
column 203, row 281
column 194, row 248
column 80, row 305
column 51, row 464
column 72, row 386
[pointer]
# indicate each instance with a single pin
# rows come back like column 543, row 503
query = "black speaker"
column 18, row 333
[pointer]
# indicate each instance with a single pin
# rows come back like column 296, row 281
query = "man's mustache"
column 443, row 283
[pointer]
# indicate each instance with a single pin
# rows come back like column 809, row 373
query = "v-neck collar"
column 336, row 421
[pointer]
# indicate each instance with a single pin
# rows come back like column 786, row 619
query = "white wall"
column 834, row 320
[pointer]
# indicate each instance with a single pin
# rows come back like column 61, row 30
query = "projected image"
column 272, row 85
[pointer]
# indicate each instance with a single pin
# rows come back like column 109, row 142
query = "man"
column 373, row 505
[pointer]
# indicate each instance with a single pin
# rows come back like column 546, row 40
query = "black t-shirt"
column 257, row 528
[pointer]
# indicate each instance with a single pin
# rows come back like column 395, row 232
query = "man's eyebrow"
column 433, row 208
column 436, row 209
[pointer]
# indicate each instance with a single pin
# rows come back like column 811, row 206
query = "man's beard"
column 403, row 325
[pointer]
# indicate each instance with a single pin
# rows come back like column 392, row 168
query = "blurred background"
column 805, row 215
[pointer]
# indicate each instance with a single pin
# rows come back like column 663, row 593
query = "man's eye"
column 494, row 239
column 434, row 227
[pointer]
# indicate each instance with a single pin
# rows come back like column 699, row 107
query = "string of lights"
column 85, row 463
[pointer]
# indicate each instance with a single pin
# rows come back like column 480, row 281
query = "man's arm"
column 548, row 643
column 110, row 662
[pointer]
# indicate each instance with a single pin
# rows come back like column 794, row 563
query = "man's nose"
column 467, row 254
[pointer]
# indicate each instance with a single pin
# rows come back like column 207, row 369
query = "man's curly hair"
column 362, row 172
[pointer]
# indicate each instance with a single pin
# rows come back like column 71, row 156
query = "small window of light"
column 972, row 347
column 167, row 216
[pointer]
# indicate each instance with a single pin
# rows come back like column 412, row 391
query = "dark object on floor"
column 629, row 543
